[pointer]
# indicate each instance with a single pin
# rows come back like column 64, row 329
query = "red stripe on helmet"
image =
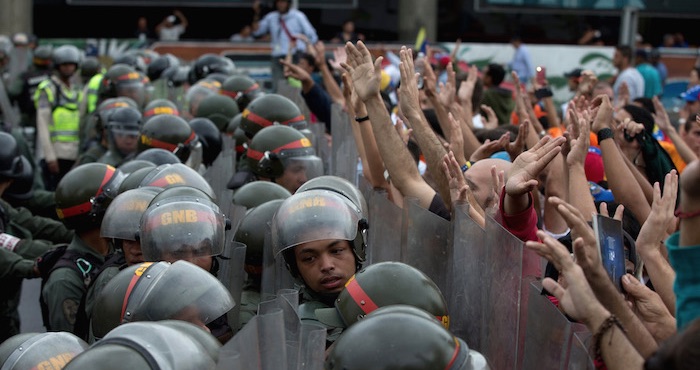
column 85, row 207
column 360, row 296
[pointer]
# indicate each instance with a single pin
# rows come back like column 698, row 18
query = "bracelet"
column 361, row 119
column 608, row 324
column 467, row 166
column 544, row 92
column 605, row 133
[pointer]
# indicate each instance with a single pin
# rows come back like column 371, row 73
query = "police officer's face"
column 325, row 265
column 198, row 256
column 294, row 177
column 132, row 252
column 126, row 142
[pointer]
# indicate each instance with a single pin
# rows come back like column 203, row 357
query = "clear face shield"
column 194, row 161
column 313, row 215
column 123, row 139
column 133, row 89
column 181, row 230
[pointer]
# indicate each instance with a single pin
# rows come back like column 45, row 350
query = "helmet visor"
column 184, row 292
column 182, row 230
column 121, row 221
column 132, row 89
column 309, row 166
column 313, row 215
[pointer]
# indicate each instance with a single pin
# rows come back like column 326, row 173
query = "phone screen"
column 611, row 247
column 541, row 75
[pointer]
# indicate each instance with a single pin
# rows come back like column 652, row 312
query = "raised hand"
column 366, row 74
column 526, row 168
column 649, row 308
column 409, row 101
column 516, row 147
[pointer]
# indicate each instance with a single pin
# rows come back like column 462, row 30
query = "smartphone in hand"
column 541, row 75
column 611, row 247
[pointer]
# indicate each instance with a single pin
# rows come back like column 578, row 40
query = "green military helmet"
column 210, row 63
column 84, row 193
column 399, row 339
column 166, row 344
column 123, row 126
column 42, row 56
column 133, row 180
column 97, row 121
column 135, row 164
column 242, row 89
column 123, row 215
column 160, row 64
column 159, row 106
column 233, row 124
column 341, row 186
column 11, row 164
column 251, row 232
column 209, row 136
column 158, row 156
column 234, row 130
column 90, row 67
column 123, row 80
column 317, row 215
column 276, row 148
column 383, row 284
column 52, row 350
column 131, row 59
column 169, row 132
column 197, row 92
column 171, row 175
column 181, row 227
column 269, row 110
column 219, row 109
column 66, row 54
column 153, row 291
column 258, row 192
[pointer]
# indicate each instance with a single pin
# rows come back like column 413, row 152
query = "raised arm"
column 366, row 76
column 620, row 178
column 664, row 122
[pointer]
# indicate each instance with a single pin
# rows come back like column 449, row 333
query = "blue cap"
column 600, row 194
column 692, row 95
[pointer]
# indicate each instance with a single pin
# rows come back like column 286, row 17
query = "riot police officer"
column 122, row 127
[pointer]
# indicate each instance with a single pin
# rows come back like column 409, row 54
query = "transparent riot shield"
column 287, row 300
column 580, row 357
column 294, row 94
column 259, row 345
column 20, row 60
column 275, row 276
column 228, row 143
column 322, row 145
column 344, row 150
column 365, row 187
column 8, row 113
column 312, row 355
column 217, row 175
column 231, row 274
column 465, row 284
column 385, row 220
column 235, row 213
column 547, row 334
column 503, row 278
column 160, row 89
column 426, row 242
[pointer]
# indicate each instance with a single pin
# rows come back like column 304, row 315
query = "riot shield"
column 9, row 114
column 217, row 175
column 426, row 242
column 20, row 60
column 234, row 212
column 503, row 277
column 259, row 345
column 160, row 89
column 228, row 143
column 580, row 357
column 231, row 274
column 344, row 150
column 465, row 287
column 294, row 94
column 313, row 347
column 385, row 220
column 287, row 301
column 365, row 187
column 275, row 275
column 547, row 334
column 321, row 145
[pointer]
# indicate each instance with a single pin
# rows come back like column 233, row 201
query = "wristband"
column 605, row 133
column 544, row 92
column 467, row 166
column 361, row 119
column 9, row 242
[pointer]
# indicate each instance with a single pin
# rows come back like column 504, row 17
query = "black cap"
column 574, row 73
